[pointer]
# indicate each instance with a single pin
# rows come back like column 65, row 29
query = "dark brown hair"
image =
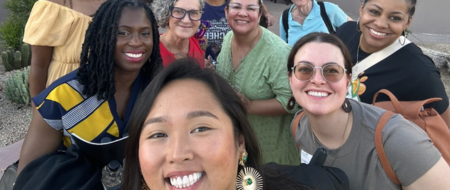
column 412, row 6
column 180, row 69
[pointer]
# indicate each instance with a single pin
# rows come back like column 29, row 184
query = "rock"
column 441, row 59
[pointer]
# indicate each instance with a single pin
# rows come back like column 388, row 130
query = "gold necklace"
column 340, row 142
column 246, row 53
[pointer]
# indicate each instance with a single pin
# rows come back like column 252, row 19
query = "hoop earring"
column 291, row 103
column 404, row 39
column 358, row 29
column 248, row 178
column 346, row 106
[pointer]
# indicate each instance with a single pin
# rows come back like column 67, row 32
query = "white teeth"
column 240, row 21
column 133, row 55
column 181, row 182
column 377, row 33
column 317, row 94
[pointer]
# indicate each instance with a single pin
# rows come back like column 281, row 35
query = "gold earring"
column 248, row 178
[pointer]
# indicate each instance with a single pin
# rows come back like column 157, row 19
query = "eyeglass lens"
column 331, row 72
column 180, row 13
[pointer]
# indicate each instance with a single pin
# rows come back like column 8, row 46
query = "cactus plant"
column 10, row 52
column 17, row 60
column 26, row 55
column 5, row 61
column 16, row 87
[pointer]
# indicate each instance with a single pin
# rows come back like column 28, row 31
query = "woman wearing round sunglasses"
column 182, row 19
column 319, row 70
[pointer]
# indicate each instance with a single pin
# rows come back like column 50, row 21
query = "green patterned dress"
column 262, row 75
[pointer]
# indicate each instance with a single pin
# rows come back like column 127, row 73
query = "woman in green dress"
column 252, row 60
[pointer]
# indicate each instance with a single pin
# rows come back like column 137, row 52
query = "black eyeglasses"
column 180, row 13
column 332, row 72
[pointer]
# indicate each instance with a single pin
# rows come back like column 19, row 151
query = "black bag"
column 69, row 170
column 307, row 176
column 9, row 177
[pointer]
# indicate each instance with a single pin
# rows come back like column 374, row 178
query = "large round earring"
column 248, row 178
column 346, row 106
column 357, row 26
column 291, row 103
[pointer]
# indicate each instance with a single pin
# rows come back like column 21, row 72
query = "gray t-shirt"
column 408, row 149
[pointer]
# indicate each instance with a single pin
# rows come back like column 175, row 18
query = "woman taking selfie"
column 251, row 61
column 120, row 56
column 347, row 127
column 407, row 72
column 193, row 142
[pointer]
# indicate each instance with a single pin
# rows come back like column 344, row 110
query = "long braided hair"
column 96, row 72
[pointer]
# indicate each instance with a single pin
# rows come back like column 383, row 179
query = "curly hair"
column 162, row 11
column 97, row 63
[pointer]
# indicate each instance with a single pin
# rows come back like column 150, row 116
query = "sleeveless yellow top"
column 51, row 24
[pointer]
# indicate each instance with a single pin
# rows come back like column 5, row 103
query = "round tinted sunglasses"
column 331, row 72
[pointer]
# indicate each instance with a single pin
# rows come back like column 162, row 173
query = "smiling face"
column 382, row 22
column 243, row 15
column 318, row 96
column 184, row 28
column 188, row 141
column 134, row 40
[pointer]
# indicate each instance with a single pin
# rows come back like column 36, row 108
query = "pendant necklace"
column 340, row 142
column 248, row 51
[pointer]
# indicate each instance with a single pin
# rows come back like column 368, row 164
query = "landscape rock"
column 441, row 59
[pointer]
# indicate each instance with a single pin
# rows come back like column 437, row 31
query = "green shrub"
column 11, row 31
column 17, row 87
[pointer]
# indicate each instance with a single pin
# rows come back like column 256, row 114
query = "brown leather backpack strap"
column 380, row 148
column 395, row 103
column 294, row 127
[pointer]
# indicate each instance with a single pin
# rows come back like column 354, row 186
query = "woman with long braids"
column 120, row 56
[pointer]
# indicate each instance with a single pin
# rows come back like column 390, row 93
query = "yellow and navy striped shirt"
column 65, row 108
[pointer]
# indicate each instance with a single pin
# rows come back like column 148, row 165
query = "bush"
column 17, row 87
column 11, row 31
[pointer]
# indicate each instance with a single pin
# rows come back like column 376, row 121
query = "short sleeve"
column 48, row 24
column 57, row 99
column 408, row 149
column 276, row 72
column 337, row 15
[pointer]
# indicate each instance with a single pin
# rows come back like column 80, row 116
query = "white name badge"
column 305, row 157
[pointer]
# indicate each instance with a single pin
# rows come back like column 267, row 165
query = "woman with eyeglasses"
column 319, row 69
column 251, row 60
column 182, row 19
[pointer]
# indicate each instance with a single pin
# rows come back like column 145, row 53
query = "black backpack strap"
column 325, row 17
column 285, row 22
